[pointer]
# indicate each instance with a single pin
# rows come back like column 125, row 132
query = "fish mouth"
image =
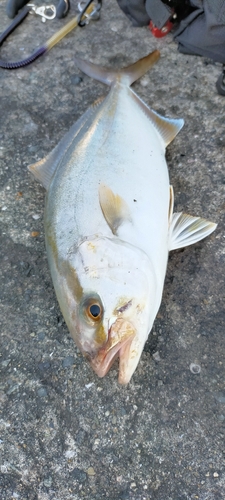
column 119, row 341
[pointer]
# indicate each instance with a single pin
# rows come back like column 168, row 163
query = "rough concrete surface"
column 65, row 434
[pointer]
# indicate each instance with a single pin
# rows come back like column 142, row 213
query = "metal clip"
column 94, row 15
column 43, row 11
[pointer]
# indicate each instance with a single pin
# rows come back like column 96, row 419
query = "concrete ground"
column 65, row 434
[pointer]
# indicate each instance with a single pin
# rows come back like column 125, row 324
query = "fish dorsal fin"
column 44, row 169
column 167, row 128
column 186, row 230
column 114, row 208
column 130, row 74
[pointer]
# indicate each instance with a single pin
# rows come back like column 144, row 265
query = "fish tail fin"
column 130, row 73
column 139, row 68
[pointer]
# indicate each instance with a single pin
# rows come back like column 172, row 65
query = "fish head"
column 111, row 309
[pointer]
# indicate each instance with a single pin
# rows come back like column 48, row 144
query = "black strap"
column 18, row 20
column 19, row 64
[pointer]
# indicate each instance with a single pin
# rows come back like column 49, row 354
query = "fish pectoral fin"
column 114, row 208
column 186, row 230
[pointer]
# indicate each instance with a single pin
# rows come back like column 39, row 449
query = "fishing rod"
column 90, row 11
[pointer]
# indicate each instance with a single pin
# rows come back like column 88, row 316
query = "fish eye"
column 92, row 308
column 94, row 311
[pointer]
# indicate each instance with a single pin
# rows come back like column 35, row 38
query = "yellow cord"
column 66, row 29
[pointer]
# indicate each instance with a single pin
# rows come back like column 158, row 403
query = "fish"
column 109, row 220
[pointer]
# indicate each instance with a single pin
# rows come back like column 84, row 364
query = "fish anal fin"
column 186, row 230
column 167, row 128
column 114, row 208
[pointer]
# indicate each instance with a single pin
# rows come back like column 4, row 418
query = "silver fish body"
column 109, row 221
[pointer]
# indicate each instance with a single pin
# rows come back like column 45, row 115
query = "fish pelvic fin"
column 114, row 208
column 129, row 74
column 171, row 204
column 186, row 230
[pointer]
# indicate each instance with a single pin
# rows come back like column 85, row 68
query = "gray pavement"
column 64, row 433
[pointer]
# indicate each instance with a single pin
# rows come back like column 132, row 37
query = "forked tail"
column 167, row 128
column 130, row 74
